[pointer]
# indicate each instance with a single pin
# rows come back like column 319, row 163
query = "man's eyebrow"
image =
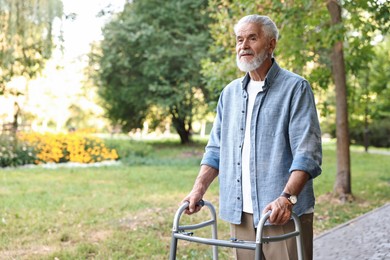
column 249, row 36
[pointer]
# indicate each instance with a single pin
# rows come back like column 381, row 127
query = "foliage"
column 378, row 133
column 14, row 153
column 126, row 212
column 368, row 100
column 127, row 148
column 152, row 60
column 26, row 37
column 379, row 81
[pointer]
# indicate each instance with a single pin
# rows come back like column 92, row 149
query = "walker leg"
column 215, row 236
column 259, row 251
column 172, row 254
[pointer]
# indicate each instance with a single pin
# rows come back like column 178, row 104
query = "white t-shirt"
column 253, row 88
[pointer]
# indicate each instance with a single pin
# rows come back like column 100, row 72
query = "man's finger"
column 191, row 206
column 273, row 218
column 267, row 208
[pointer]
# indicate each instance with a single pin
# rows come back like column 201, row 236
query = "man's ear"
column 272, row 45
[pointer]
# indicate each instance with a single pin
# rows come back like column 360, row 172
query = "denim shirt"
column 285, row 136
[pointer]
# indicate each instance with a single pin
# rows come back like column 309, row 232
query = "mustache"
column 244, row 52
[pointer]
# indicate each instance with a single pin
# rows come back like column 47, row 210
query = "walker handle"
column 187, row 203
column 200, row 203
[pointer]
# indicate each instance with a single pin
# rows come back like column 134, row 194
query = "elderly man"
column 265, row 146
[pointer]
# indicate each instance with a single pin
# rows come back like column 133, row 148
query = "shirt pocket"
column 273, row 121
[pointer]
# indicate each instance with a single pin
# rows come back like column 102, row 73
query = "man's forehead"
column 246, row 29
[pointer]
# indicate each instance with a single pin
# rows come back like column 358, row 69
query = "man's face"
column 252, row 47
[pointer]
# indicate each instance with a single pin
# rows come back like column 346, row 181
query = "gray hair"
column 268, row 26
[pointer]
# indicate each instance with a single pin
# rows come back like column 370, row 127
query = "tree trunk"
column 16, row 116
column 185, row 136
column 366, row 111
column 182, row 130
column 342, row 186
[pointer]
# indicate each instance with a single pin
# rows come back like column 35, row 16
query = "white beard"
column 255, row 63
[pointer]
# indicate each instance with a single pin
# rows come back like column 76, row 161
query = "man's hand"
column 281, row 209
column 193, row 198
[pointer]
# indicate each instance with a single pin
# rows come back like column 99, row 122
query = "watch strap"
column 287, row 196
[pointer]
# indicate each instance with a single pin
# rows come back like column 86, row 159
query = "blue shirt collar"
column 269, row 78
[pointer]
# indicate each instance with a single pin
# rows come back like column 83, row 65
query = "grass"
column 126, row 211
column 370, row 187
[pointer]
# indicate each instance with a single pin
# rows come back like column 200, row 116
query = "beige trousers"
column 286, row 249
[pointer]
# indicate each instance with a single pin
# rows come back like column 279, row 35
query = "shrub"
column 13, row 152
column 128, row 149
column 378, row 134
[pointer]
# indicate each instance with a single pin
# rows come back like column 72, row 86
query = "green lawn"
column 126, row 211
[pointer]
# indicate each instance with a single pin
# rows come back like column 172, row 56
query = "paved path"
column 366, row 237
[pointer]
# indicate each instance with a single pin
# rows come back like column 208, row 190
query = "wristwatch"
column 292, row 198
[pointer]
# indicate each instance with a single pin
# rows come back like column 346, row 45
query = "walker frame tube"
column 178, row 232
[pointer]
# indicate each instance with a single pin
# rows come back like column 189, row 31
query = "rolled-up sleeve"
column 211, row 156
column 305, row 133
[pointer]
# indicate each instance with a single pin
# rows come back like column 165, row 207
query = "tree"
column 369, row 102
column 151, row 57
column 365, row 20
column 26, row 41
column 343, row 179
column 26, row 37
column 380, row 83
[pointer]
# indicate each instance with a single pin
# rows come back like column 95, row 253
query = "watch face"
column 293, row 199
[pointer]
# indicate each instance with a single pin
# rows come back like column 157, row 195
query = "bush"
column 378, row 134
column 13, row 152
column 129, row 149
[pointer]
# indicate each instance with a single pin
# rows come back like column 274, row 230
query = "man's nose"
column 245, row 44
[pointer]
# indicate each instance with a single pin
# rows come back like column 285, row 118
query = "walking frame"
column 181, row 233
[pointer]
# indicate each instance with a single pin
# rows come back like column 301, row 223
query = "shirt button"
column 238, row 163
column 243, row 111
column 238, row 198
column 238, row 180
